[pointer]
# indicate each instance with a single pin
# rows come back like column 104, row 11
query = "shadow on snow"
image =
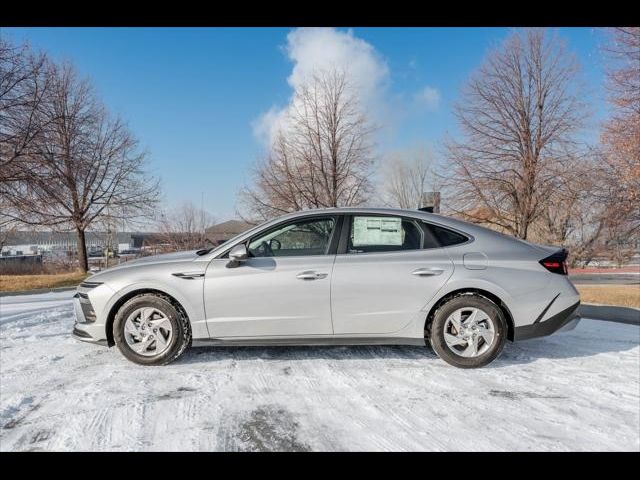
column 562, row 345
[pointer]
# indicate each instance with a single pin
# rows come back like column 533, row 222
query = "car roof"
column 338, row 210
column 432, row 217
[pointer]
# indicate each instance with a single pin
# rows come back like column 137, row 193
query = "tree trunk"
column 82, row 251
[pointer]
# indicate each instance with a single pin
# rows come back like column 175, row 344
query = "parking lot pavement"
column 577, row 390
column 610, row 313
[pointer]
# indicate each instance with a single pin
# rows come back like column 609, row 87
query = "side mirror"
column 238, row 253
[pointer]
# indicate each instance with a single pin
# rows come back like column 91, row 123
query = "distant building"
column 220, row 233
column 66, row 243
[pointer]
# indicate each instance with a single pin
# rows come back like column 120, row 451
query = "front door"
column 282, row 289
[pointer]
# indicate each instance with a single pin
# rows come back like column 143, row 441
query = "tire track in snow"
column 45, row 315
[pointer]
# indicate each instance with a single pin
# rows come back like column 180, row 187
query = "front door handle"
column 310, row 275
column 427, row 272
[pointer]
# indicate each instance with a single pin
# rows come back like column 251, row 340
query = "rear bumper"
column 566, row 319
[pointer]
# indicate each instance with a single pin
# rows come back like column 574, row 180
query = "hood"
column 153, row 259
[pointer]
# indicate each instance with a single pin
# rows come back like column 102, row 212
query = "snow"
column 578, row 390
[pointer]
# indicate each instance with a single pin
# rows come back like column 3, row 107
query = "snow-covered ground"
column 577, row 390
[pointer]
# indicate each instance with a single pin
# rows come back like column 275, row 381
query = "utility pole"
column 202, row 225
column 430, row 202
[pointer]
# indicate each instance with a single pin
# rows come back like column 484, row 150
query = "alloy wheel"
column 148, row 331
column 469, row 332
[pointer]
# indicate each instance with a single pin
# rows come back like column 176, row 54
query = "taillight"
column 556, row 263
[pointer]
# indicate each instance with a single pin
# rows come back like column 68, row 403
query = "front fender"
column 189, row 297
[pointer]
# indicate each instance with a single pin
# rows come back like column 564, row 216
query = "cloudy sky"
column 204, row 101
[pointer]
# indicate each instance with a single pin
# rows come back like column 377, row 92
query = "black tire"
column 180, row 341
column 436, row 331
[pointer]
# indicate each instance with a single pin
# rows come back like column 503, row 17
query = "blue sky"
column 194, row 96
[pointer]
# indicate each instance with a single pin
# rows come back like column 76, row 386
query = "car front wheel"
column 468, row 331
column 150, row 330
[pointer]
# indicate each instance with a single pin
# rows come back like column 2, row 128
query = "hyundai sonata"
column 342, row 276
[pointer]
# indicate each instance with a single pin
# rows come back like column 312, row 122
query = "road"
column 605, row 278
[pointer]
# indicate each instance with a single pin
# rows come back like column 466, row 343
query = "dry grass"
column 620, row 295
column 16, row 283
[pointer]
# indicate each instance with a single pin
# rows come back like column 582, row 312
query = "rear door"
column 387, row 269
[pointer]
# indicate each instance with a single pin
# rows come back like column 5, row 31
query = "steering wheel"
column 275, row 244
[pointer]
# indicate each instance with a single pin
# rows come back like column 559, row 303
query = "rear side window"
column 371, row 233
column 444, row 236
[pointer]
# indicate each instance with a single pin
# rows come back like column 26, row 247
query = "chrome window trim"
column 344, row 212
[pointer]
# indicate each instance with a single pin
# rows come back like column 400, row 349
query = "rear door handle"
column 310, row 275
column 427, row 272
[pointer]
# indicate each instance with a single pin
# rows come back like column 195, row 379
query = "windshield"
column 205, row 251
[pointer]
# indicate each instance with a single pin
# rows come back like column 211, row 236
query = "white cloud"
column 266, row 126
column 316, row 49
column 428, row 98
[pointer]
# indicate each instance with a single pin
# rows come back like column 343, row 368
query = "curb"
column 610, row 313
column 37, row 291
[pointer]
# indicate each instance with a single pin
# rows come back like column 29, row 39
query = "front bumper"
column 85, row 329
column 565, row 320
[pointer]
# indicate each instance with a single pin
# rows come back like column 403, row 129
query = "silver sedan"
column 341, row 276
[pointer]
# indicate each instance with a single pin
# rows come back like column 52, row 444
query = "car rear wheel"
column 150, row 330
column 468, row 331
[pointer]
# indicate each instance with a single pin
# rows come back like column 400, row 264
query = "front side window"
column 297, row 238
column 371, row 233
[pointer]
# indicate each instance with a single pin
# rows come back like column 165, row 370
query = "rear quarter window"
column 446, row 237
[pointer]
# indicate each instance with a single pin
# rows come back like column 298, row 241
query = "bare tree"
column 405, row 176
column 594, row 210
column 7, row 229
column 184, row 228
column 621, row 133
column 23, row 88
column 322, row 156
column 83, row 161
column 571, row 217
column 519, row 115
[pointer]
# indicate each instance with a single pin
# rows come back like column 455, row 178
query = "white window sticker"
column 377, row 231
